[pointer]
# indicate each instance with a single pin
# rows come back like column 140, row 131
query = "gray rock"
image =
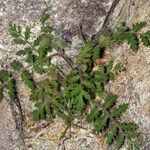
column 132, row 85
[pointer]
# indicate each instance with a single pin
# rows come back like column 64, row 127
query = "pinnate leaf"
column 138, row 26
column 25, row 76
column 11, row 89
column 120, row 141
column 43, row 111
column 95, row 111
column 27, row 33
column 120, row 110
column 4, row 75
column 16, row 65
column 110, row 101
column 112, row 134
column 129, row 126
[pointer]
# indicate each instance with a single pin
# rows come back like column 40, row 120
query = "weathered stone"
column 10, row 138
column 132, row 85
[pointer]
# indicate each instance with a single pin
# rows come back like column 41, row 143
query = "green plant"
column 70, row 95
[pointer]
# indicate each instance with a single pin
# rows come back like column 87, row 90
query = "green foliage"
column 101, row 124
column 110, row 101
column 145, row 38
column 11, row 89
column 95, row 54
column 73, row 94
column 43, row 111
column 120, row 141
column 16, row 32
column 118, row 67
column 129, row 126
column 121, row 109
column 24, row 52
column 31, row 58
column 38, row 69
column 138, row 26
column 112, row 134
column 27, row 33
column 38, row 40
column 16, row 65
column 45, row 16
column 85, row 52
column 4, row 75
column 25, row 76
column 104, row 118
column 129, row 37
column 93, row 115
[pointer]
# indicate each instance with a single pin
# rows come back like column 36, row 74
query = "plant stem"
column 29, row 43
column 51, row 56
column 61, row 71
column 66, row 59
column 56, row 54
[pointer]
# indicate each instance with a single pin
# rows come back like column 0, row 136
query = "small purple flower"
column 65, row 36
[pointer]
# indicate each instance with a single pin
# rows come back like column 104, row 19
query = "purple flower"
column 65, row 36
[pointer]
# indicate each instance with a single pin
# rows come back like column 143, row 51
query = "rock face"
column 10, row 133
column 132, row 85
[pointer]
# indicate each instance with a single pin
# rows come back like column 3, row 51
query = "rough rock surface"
column 132, row 85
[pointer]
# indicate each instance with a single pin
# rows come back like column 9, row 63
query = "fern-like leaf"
column 11, row 89
column 95, row 111
column 86, row 95
column 47, row 29
column 31, row 58
column 23, row 52
column 43, row 111
column 111, row 135
column 110, row 101
column 111, row 76
column 129, row 37
column 117, row 67
column 95, row 54
column 27, row 33
column 120, row 141
column 133, row 135
column 80, row 102
column 86, row 50
column 145, row 38
column 15, row 30
column 120, row 110
column 129, row 126
column 34, row 95
column 110, row 66
column 4, row 75
column 16, row 65
column 19, row 41
column 88, row 84
column 25, row 76
column 101, row 124
column 138, row 26
column 45, row 16
column 38, row 69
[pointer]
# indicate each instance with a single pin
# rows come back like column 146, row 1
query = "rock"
column 132, row 85
column 10, row 136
